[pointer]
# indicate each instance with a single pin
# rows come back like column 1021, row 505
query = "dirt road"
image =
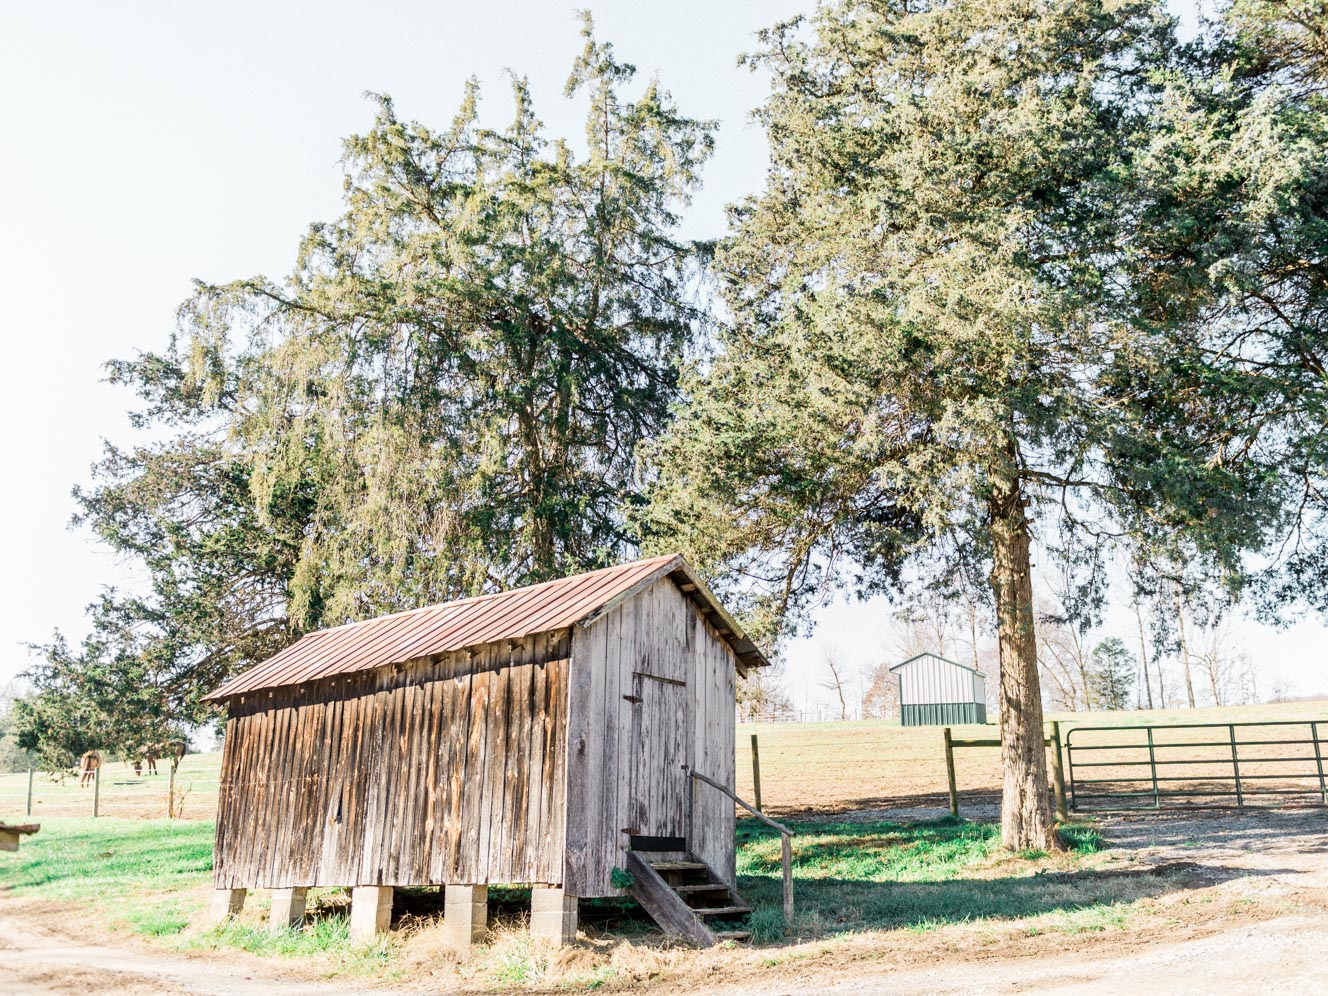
column 38, row 961
column 1280, row 956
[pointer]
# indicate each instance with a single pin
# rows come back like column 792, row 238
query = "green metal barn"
column 936, row 691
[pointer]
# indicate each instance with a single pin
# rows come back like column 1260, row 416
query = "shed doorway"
column 660, row 730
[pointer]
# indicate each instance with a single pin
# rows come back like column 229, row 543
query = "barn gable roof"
column 469, row 622
column 928, row 653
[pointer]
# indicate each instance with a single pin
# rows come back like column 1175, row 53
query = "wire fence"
column 115, row 791
column 864, row 765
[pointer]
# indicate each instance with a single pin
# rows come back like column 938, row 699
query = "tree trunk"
column 1083, row 675
column 1026, row 819
column 1184, row 648
column 1213, row 666
column 1143, row 653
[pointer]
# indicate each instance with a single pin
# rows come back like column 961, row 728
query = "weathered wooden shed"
column 936, row 691
column 531, row 737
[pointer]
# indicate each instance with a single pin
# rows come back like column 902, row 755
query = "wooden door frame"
column 639, row 679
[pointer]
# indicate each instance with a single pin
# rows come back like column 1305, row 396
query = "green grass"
column 324, row 938
column 151, row 878
column 873, row 851
column 108, row 859
column 122, row 794
column 158, row 919
column 855, row 876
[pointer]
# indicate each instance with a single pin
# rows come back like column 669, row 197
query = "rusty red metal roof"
column 521, row 612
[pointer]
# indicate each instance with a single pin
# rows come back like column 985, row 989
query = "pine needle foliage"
column 443, row 398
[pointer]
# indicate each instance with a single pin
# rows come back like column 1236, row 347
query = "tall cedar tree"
column 956, row 322
column 444, row 398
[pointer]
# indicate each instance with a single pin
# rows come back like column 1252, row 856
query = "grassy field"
column 875, row 764
column 866, row 881
column 121, row 793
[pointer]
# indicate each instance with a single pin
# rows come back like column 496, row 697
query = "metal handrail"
column 785, row 839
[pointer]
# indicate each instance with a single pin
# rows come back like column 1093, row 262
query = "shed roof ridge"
column 939, row 657
column 445, row 627
column 474, row 599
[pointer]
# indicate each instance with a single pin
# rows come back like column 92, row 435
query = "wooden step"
column 702, row 887
column 720, row 910
column 733, row 935
column 665, row 906
column 677, row 866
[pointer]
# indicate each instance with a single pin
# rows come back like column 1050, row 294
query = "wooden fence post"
column 1058, row 773
column 96, row 791
column 170, row 795
column 950, row 773
column 29, row 809
column 756, row 772
column 786, row 854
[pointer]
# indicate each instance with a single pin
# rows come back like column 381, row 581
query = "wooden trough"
column 536, row 737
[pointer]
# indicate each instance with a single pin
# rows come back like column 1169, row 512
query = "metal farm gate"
column 1205, row 764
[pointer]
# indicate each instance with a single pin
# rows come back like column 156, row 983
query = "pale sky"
column 146, row 144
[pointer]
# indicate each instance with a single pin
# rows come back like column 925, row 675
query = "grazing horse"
column 87, row 767
column 172, row 750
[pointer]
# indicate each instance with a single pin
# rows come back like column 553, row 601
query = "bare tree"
column 1184, row 645
column 881, row 699
column 762, row 696
column 1232, row 674
column 834, row 663
column 1064, row 655
column 1147, row 683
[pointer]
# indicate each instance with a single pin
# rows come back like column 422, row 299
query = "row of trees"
column 1082, row 668
column 1019, row 268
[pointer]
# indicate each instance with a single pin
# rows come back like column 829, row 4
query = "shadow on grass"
column 873, row 875
column 828, row 905
column 979, row 800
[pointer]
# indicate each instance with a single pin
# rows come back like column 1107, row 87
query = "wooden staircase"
column 686, row 898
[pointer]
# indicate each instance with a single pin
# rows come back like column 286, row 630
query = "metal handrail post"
column 785, row 844
column 756, row 771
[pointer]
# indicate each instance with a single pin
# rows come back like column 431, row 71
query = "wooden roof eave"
column 746, row 654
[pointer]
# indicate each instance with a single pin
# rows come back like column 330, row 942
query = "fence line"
column 190, row 793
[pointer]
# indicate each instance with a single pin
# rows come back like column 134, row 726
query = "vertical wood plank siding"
column 432, row 771
column 625, row 757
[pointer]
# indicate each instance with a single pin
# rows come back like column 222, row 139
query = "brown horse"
column 87, row 768
column 170, row 750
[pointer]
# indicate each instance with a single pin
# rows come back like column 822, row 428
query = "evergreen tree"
column 953, row 327
column 1112, row 670
column 445, row 397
